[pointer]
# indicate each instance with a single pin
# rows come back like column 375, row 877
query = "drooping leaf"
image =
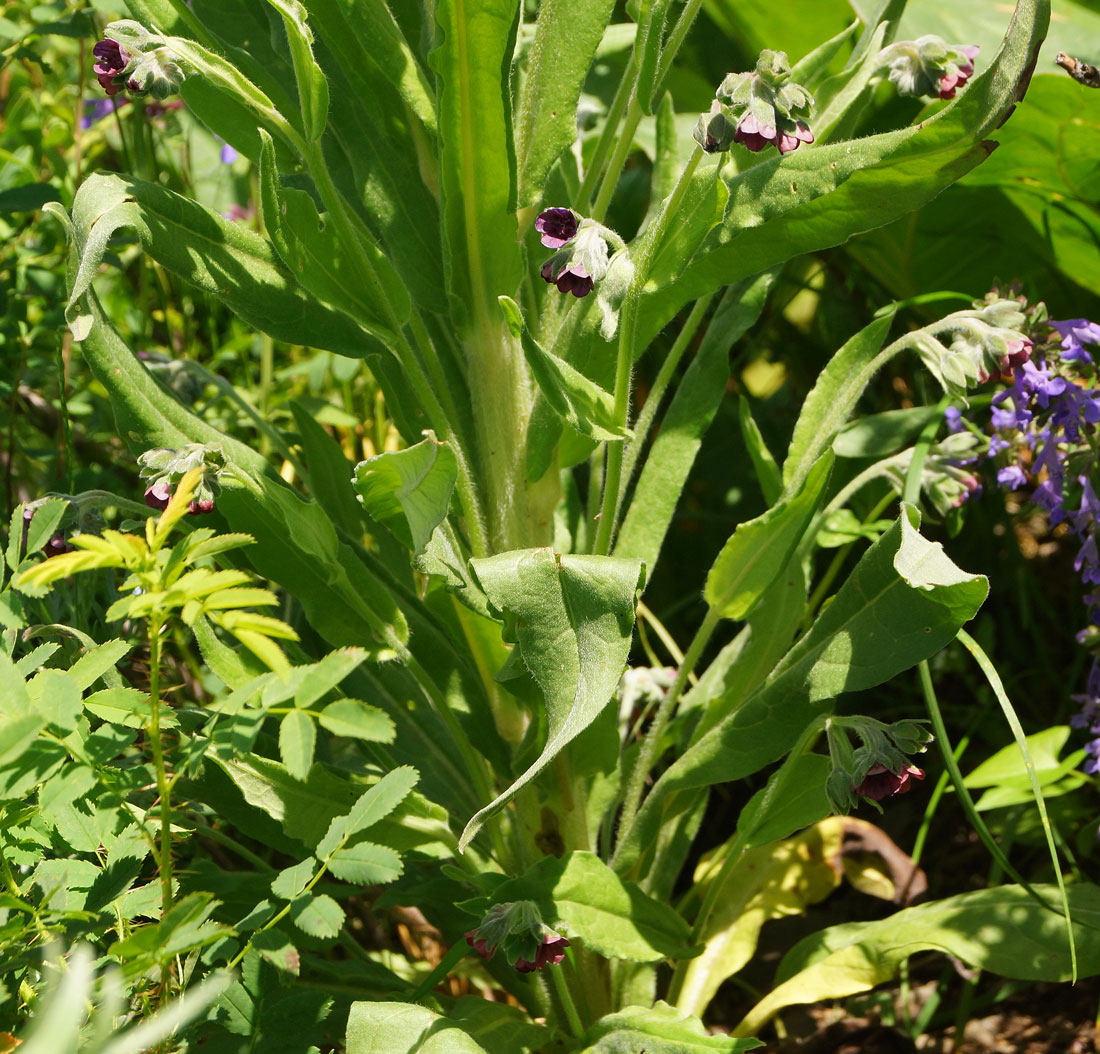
column 571, row 618
column 1002, row 930
column 580, row 402
column 409, row 490
column 582, row 896
column 903, row 602
column 757, row 552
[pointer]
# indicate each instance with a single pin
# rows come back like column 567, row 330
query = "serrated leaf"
column 99, row 662
column 276, row 947
column 409, row 490
column 366, row 864
column 373, row 805
column 44, row 522
column 572, row 618
column 297, row 738
column 289, row 882
column 319, row 916
column 357, row 720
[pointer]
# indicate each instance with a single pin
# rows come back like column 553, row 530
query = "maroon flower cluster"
column 112, row 58
column 160, row 494
column 880, row 783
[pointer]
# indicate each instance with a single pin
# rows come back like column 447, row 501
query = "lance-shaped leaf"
column 319, row 260
column 567, row 34
column 571, row 618
column 903, row 602
column 477, row 167
column 758, row 550
column 812, row 199
column 405, row 1028
column 312, row 86
column 219, row 257
column 409, row 490
column 583, row 898
column 1003, row 930
column 834, row 397
column 581, row 403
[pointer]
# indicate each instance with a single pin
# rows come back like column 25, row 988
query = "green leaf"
column 276, row 947
column 328, row 472
column 647, row 46
column 289, row 882
column 373, row 805
column 99, row 662
column 571, row 618
column 903, row 602
column 581, row 403
column 1007, row 765
column 477, row 157
column 219, row 257
column 186, row 926
column 817, row 198
column 768, row 474
column 56, row 696
column 312, row 86
column 1002, row 930
column 321, row 261
column 567, row 34
column 405, row 1028
column 319, row 916
column 804, row 803
column 659, row 1029
column 44, row 522
column 499, row 1028
column 409, row 490
column 879, row 435
column 580, row 895
column 366, row 864
column 770, row 882
column 685, row 423
column 833, row 398
column 357, row 720
column 758, row 550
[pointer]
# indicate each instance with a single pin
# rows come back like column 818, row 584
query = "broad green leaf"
column 580, row 402
column 498, row 1027
column 1002, row 930
column 99, row 662
column 814, row 199
column 688, row 417
column 319, row 916
column 477, row 162
column 804, row 803
column 758, row 24
column 701, row 209
column 366, row 864
column 367, row 35
column 757, row 552
column 276, row 947
column 297, row 737
column 567, row 34
column 767, row 883
column 409, row 490
column 44, row 522
column 56, row 696
column 878, row 435
column 833, row 398
column 572, row 619
column 659, row 1029
column 1008, row 763
column 580, row 895
column 357, row 720
column 219, row 257
column 903, row 602
column 321, row 261
column 405, row 1028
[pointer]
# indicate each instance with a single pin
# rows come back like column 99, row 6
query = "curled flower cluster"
column 928, row 66
column 164, row 468
column 529, row 944
column 131, row 58
column 582, row 257
column 758, row 109
column 1044, row 424
column 879, row 767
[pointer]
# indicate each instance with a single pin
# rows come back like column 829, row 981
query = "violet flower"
column 572, row 278
column 1075, row 333
column 551, row 952
column 113, row 60
column 558, row 227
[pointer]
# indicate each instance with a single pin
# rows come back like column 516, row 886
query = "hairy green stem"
column 623, row 146
column 565, row 997
column 607, row 136
column 651, row 745
column 156, row 745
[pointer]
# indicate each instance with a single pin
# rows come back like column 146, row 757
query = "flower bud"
column 714, row 131
column 928, row 66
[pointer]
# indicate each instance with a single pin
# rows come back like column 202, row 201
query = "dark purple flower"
column 113, row 59
column 551, row 952
column 158, row 495
column 753, row 135
column 1075, row 333
column 200, row 506
column 572, row 278
column 950, row 83
column 557, row 227
column 479, row 944
column 880, row 782
column 1019, row 352
column 788, row 141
